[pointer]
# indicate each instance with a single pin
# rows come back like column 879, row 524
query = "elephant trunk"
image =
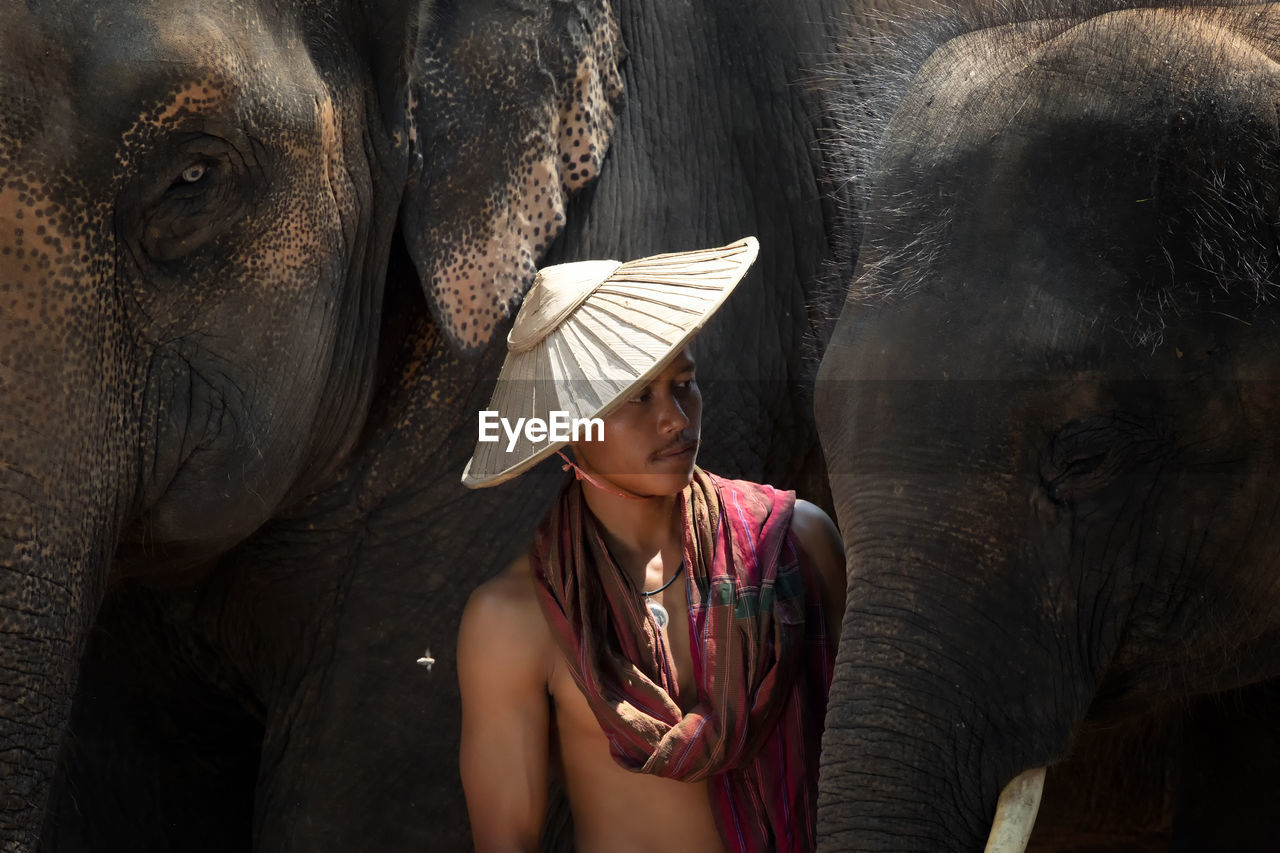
column 50, row 585
column 68, row 475
column 943, row 692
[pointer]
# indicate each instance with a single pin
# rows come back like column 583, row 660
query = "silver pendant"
column 658, row 612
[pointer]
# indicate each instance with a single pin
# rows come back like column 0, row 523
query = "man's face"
column 651, row 440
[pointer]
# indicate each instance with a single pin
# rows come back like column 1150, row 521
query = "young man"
column 666, row 643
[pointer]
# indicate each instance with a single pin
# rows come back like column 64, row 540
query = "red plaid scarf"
column 760, row 655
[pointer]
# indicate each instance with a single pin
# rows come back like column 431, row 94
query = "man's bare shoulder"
column 816, row 532
column 820, row 540
column 502, row 623
column 513, row 586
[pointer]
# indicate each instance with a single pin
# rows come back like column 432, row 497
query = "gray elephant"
column 1050, row 414
column 254, row 258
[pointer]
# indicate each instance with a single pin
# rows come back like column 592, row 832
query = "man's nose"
column 672, row 418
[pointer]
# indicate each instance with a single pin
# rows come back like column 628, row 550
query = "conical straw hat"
column 589, row 333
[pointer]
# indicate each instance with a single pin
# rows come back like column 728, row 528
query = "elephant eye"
column 194, row 173
column 196, row 199
column 1085, row 457
column 1084, row 466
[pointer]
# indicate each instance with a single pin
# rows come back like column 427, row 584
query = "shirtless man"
column 525, row 710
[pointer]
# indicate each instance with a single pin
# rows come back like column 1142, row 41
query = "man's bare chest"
column 678, row 646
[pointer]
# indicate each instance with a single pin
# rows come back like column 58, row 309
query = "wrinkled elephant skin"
column 256, row 268
column 1049, row 411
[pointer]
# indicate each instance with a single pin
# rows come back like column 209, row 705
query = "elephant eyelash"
column 1086, row 457
column 1085, row 465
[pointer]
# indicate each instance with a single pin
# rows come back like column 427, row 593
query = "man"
column 666, row 643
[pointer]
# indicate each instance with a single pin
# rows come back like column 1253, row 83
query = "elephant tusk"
column 1016, row 813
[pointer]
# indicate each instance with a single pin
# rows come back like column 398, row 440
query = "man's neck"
column 638, row 531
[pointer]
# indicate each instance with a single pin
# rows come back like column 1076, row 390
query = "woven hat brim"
column 616, row 341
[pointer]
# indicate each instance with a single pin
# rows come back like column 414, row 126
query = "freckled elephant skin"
column 1049, row 414
column 256, row 266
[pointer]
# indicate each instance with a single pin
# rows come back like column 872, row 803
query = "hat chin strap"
column 583, row 475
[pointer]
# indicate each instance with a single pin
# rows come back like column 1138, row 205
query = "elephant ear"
column 512, row 105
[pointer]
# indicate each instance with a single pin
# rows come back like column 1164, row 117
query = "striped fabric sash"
column 760, row 656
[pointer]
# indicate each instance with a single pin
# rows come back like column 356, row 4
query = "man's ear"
column 511, row 108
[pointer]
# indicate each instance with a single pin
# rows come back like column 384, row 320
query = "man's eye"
column 640, row 397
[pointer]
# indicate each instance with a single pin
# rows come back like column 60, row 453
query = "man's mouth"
column 681, row 449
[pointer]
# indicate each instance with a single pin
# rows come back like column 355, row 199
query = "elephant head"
column 198, row 208
column 1049, row 409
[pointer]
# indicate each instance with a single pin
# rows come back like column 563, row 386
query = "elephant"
column 257, row 265
column 1049, row 414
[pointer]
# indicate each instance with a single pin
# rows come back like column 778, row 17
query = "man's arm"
column 502, row 676
column 818, row 536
